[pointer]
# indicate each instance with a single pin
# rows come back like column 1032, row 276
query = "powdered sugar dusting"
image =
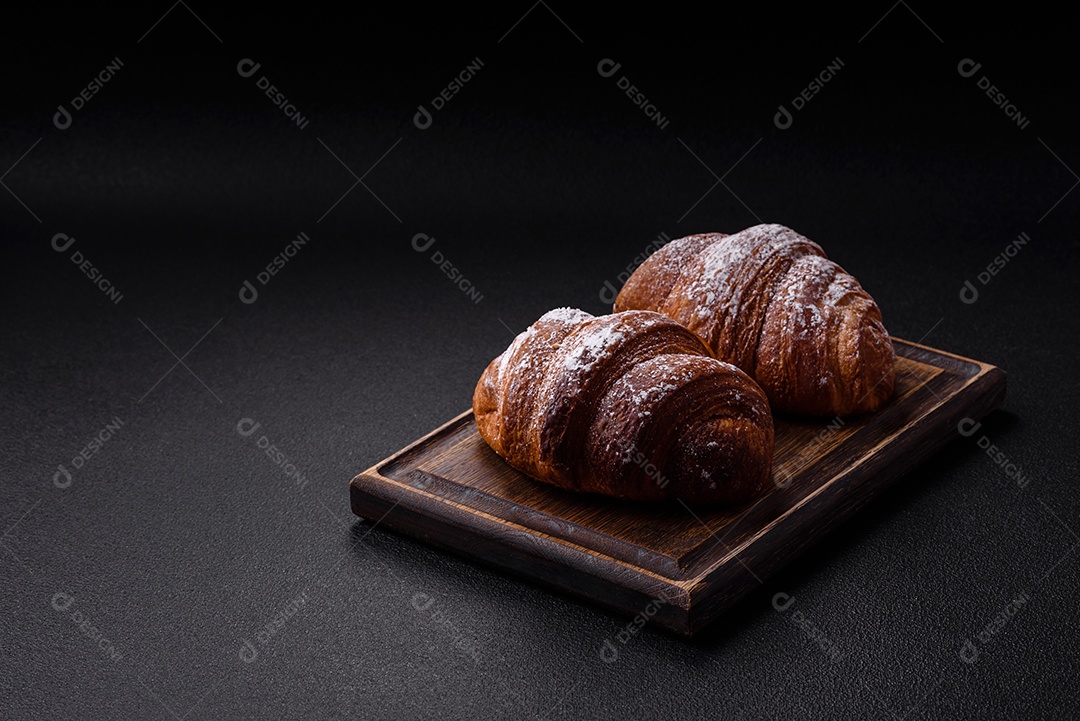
column 592, row 347
column 673, row 257
column 570, row 316
column 564, row 316
column 654, row 380
column 710, row 286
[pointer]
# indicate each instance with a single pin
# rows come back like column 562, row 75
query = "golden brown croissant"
column 631, row 405
column 767, row 300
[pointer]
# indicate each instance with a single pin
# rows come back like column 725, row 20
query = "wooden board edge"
column 991, row 378
column 428, row 437
column 987, row 389
column 590, row 576
column 983, row 366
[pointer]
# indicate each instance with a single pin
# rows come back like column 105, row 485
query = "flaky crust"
column 769, row 301
column 631, row 405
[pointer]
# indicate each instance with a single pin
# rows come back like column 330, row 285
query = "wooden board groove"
column 449, row 489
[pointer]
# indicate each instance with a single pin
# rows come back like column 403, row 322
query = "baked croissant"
column 630, row 405
column 767, row 300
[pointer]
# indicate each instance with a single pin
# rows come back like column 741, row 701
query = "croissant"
column 631, row 405
column 767, row 300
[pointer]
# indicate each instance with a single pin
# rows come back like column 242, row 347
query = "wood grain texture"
column 451, row 490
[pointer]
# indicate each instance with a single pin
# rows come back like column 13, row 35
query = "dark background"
column 179, row 539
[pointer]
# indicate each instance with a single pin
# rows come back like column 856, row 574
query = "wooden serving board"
column 678, row 564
